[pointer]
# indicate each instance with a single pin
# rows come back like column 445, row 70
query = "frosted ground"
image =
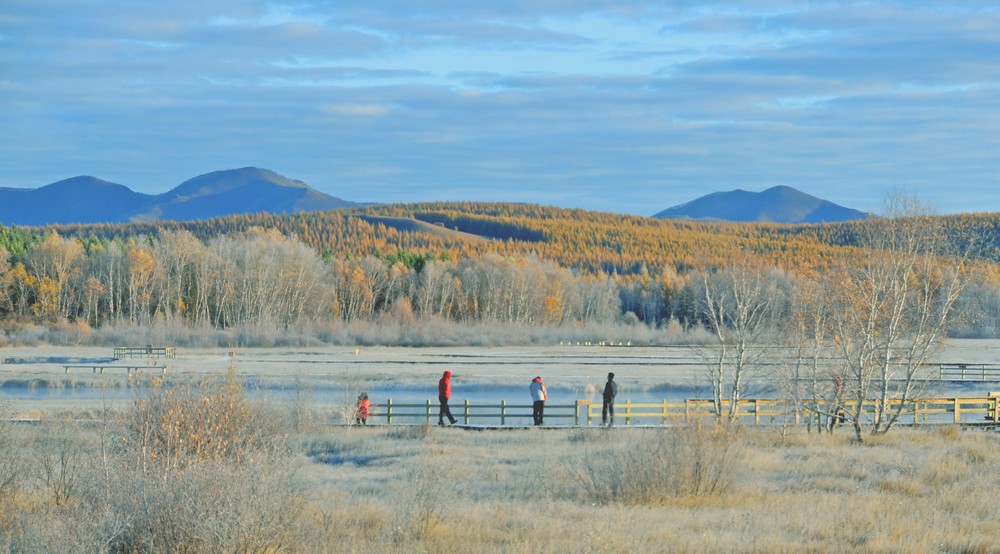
column 35, row 377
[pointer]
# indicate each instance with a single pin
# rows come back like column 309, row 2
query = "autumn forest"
column 462, row 262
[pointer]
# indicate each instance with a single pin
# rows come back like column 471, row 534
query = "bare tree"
column 6, row 280
column 738, row 303
column 178, row 252
column 891, row 303
column 811, row 381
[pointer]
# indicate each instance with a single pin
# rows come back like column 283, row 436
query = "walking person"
column 539, row 394
column 444, row 393
column 610, row 392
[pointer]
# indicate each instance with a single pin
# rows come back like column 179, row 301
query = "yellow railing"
column 758, row 411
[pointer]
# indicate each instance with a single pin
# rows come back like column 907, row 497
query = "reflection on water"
column 475, row 394
column 59, row 360
column 54, row 389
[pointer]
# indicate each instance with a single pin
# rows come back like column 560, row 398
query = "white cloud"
column 357, row 110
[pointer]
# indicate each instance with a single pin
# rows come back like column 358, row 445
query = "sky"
column 619, row 105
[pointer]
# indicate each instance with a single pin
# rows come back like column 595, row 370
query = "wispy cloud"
column 616, row 105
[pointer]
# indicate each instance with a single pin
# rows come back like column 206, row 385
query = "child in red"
column 361, row 412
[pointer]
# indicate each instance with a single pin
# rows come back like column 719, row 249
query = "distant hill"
column 774, row 205
column 81, row 199
column 91, row 200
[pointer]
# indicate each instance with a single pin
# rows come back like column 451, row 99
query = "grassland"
column 302, row 485
column 155, row 472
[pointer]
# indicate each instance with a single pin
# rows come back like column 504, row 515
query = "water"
column 560, row 409
column 54, row 389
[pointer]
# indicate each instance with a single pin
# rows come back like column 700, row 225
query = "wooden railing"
column 498, row 414
column 757, row 411
column 129, row 369
column 148, row 351
column 969, row 372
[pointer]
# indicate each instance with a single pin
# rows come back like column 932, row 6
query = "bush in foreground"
column 657, row 466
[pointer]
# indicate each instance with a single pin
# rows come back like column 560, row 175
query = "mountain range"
column 88, row 199
column 775, row 205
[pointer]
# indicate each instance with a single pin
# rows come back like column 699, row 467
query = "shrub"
column 205, row 469
column 11, row 467
column 60, row 461
column 215, row 506
column 655, row 466
column 174, row 425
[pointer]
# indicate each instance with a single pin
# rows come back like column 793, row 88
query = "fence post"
column 503, row 412
column 687, row 411
column 958, row 408
column 756, row 411
column 428, row 411
column 664, row 411
column 466, row 411
column 589, row 410
column 388, row 412
column 916, row 412
column 628, row 412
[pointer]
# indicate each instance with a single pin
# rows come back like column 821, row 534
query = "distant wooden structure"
column 99, row 368
column 969, row 372
column 148, row 351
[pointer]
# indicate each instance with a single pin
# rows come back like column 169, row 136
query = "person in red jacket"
column 444, row 393
column 361, row 411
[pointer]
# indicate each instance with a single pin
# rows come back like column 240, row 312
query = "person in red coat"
column 444, row 393
column 361, row 412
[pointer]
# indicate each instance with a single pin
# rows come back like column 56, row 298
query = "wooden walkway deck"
column 758, row 411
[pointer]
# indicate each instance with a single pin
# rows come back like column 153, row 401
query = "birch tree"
column 738, row 304
column 890, row 308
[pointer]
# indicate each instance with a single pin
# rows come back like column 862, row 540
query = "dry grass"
column 408, row 489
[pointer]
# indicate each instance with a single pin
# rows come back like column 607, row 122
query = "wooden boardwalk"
column 758, row 411
column 129, row 369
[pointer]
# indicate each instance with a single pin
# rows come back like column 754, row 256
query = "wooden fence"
column 148, row 351
column 757, row 411
column 969, row 372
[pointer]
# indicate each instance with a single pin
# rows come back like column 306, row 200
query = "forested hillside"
column 511, row 263
column 592, row 242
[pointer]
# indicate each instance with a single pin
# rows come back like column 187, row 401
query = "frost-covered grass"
column 408, row 489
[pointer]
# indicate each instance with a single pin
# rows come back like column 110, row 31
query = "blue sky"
column 620, row 105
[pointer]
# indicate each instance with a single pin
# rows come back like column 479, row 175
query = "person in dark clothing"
column 610, row 392
column 539, row 394
column 444, row 393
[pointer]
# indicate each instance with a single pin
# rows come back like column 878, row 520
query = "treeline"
column 261, row 277
column 541, row 265
column 590, row 242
